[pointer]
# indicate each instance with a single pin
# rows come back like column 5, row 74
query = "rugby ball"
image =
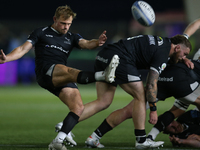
column 143, row 13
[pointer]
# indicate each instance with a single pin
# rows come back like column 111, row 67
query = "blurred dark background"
column 105, row 10
column 19, row 18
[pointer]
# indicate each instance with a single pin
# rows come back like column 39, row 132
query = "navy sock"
column 69, row 122
column 85, row 77
column 140, row 135
column 103, row 128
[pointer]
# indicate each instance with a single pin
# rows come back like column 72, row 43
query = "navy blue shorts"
column 45, row 81
column 125, row 72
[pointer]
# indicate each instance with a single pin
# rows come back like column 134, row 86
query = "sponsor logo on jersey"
column 48, row 35
column 67, row 41
column 160, row 41
column 163, row 66
column 56, row 47
column 102, row 59
column 151, row 40
column 164, row 79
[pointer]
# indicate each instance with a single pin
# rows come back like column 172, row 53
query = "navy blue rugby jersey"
column 176, row 81
column 144, row 51
column 52, row 47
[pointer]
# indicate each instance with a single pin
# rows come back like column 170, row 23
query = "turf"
column 29, row 113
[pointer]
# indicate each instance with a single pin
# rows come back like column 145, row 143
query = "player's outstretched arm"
column 192, row 28
column 16, row 53
column 94, row 43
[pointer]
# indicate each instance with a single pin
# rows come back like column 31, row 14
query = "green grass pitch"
column 28, row 115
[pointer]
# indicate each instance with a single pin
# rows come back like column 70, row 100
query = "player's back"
column 143, row 50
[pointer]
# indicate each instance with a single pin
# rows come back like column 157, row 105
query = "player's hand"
column 175, row 140
column 2, row 57
column 153, row 117
column 102, row 38
column 188, row 63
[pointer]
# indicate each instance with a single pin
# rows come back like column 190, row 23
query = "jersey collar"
column 55, row 30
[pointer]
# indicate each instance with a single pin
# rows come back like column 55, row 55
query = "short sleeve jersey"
column 52, row 47
column 144, row 51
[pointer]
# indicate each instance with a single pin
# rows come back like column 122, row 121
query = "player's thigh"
column 105, row 92
column 63, row 74
column 135, row 89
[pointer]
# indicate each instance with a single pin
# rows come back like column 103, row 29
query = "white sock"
column 95, row 136
column 154, row 132
column 99, row 76
column 61, row 136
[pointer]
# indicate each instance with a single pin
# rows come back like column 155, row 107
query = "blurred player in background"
column 139, row 52
column 53, row 45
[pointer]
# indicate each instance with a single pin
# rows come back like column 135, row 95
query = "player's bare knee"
column 103, row 103
column 128, row 112
column 78, row 109
column 140, row 100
